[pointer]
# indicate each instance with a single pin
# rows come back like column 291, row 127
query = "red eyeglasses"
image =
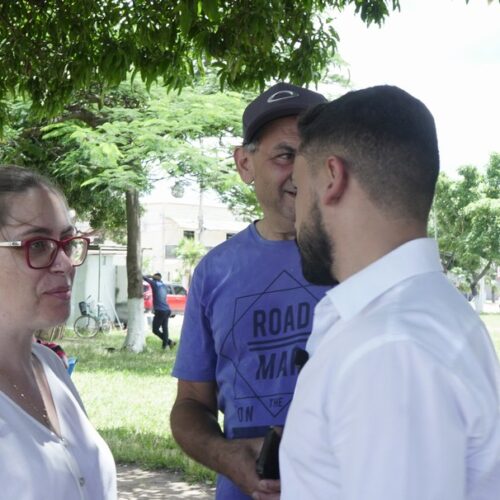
column 42, row 252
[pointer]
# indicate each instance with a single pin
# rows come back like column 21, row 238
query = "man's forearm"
column 196, row 430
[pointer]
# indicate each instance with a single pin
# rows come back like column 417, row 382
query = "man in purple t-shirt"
column 249, row 307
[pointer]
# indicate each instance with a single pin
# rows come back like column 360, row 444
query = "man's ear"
column 336, row 179
column 243, row 164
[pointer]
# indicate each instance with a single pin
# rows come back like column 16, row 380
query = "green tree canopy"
column 467, row 221
column 51, row 49
column 97, row 153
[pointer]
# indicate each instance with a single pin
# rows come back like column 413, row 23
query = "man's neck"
column 356, row 253
column 271, row 231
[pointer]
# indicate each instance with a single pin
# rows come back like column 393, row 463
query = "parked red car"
column 176, row 297
column 148, row 296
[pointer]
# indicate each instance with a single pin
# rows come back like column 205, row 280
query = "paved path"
column 135, row 483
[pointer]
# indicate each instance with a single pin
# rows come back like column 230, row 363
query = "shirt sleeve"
column 398, row 423
column 196, row 357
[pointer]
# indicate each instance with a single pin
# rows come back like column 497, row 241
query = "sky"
column 447, row 54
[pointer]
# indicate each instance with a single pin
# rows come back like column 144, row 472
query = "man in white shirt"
column 400, row 397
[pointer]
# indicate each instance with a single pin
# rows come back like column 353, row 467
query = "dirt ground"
column 135, row 483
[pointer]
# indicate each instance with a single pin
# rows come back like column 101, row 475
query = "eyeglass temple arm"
column 11, row 243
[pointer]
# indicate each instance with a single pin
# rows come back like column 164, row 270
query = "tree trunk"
column 478, row 290
column 476, row 278
column 135, row 339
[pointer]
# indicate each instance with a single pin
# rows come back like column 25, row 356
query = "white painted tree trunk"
column 135, row 340
column 480, row 297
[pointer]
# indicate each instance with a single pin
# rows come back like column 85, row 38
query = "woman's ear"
column 244, row 164
column 336, row 176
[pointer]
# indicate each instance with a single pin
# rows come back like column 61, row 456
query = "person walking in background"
column 248, row 308
column 49, row 450
column 161, row 309
column 400, row 398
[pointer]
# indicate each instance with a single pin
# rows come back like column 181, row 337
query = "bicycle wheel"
column 105, row 324
column 86, row 327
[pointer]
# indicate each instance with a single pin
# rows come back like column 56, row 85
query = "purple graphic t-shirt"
column 248, row 308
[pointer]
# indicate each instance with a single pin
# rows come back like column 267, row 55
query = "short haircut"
column 387, row 139
column 16, row 180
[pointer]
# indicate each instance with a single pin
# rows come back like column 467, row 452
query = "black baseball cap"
column 282, row 99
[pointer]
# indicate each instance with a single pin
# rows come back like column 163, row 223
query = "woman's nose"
column 62, row 262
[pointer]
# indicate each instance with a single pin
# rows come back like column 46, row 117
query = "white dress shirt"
column 39, row 465
column 400, row 398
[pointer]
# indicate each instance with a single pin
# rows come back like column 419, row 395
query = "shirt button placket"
column 73, row 466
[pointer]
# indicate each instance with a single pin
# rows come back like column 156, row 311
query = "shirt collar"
column 410, row 259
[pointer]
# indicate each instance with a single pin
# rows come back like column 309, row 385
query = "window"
column 189, row 235
column 170, row 251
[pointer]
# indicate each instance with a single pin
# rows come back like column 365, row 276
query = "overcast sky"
column 447, row 54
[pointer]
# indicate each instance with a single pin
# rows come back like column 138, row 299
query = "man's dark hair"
column 387, row 139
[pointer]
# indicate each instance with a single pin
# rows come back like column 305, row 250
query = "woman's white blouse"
column 36, row 464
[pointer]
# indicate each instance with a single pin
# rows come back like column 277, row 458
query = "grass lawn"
column 492, row 322
column 128, row 397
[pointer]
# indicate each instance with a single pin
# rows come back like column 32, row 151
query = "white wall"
column 96, row 277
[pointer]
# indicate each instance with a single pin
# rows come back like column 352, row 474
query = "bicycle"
column 89, row 324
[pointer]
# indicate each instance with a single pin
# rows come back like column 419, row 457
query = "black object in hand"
column 300, row 357
column 268, row 461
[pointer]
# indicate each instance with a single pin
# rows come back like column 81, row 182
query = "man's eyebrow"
column 284, row 146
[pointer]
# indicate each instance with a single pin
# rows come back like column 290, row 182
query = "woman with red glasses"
column 48, row 448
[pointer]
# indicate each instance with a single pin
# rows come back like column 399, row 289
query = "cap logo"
column 282, row 95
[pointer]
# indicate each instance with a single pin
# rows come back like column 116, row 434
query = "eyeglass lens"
column 42, row 252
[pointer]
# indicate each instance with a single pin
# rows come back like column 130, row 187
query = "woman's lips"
column 63, row 293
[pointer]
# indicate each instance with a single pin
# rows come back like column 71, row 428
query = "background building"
column 168, row 219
